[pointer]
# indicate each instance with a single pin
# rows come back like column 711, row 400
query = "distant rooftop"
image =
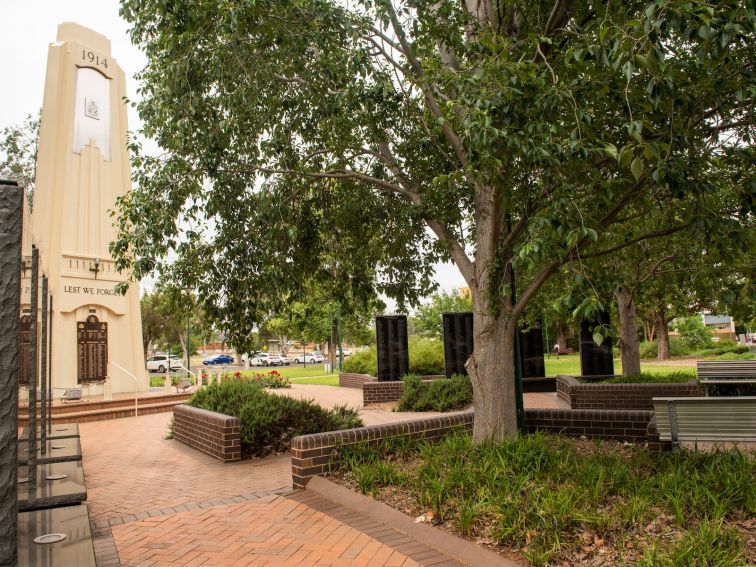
column 717, row 319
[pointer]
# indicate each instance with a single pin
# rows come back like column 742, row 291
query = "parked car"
column 310, row 358
column 218, row 359
column 260, row 359
column 344, row 352
column 254, row 359
column 279, row 360
column 158, row 363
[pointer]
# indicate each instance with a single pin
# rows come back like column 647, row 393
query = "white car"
column 279, row 360
column 158, row 363
column 257, row 359
column 310, row 357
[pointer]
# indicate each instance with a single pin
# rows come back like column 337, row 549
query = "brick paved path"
column 157, row 502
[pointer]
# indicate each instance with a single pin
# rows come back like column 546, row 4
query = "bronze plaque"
column 24, row 377
column 92, row 341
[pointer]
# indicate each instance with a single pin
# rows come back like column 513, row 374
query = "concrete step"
column 77, row 407
column 87, row 415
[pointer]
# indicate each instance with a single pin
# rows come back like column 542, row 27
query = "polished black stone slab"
column 57, row 451
column 75, row 550
column 61, row 431
column 66, row 491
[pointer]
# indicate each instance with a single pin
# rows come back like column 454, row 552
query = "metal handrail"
column 136, row 385
column 196, row 381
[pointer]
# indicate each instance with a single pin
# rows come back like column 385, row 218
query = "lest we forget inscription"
column 92, row 342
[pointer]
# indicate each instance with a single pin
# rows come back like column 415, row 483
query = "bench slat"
column 723, row 418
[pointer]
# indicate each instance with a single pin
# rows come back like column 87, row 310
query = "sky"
column 30, row 25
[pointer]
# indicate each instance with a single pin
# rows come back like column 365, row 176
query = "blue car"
column 218, row 359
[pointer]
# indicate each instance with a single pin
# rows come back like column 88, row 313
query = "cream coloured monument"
column 82, row 167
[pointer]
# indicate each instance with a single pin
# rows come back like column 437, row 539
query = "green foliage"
column 383, row 137
column 722, row 350
column 269, row 421
column 426, row 358
column 363, row 362
column 427, row 319
column 435, row 395
column 651, row 378
column 693, row 332
column 540, row 493
column 18, row 154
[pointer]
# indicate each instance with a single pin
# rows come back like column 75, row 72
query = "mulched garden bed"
column 550, row 500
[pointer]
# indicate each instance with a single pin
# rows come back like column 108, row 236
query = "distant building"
column 722, row 327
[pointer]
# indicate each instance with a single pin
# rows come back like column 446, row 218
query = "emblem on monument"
column 91, row 108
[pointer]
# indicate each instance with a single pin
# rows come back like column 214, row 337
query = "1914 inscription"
column 92, row 349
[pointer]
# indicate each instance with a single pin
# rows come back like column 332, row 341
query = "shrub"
column 363, row 362
column 652, row 378
column 426, row 356
column 677, row 347
column 694, row 332
column 272, row 379
column 435, row 395
column 269, row 421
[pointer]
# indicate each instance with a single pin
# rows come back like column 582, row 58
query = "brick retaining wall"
column 620, row 396
column 213, row 433
column 311, row 455
column 390, row 391
column 353, row 380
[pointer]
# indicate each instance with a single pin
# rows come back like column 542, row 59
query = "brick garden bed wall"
column 619, row 396
column 382, row 392
column 311, row 454
column 213, row 433
column 351, row 380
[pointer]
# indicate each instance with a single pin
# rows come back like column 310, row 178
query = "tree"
column 18, row 154
column 169, row 316
column 428, row 316
column 504, row 137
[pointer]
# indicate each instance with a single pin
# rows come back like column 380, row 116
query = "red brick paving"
column 270, row 531
column 157, row 502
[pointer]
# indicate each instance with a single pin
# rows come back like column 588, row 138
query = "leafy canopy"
column 383, row 136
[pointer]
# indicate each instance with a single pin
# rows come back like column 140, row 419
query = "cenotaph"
column 82, row 167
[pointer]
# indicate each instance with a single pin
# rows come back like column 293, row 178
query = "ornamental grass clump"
column 564, row 501
column 269, row 421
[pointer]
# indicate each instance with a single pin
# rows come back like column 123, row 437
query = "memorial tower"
column 82, row 168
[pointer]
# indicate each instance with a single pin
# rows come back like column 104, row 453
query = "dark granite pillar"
column 33, row 371
column 43, row 369
column 11, row 217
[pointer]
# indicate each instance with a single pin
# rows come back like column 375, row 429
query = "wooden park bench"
column 713, row 374
column 706, row 419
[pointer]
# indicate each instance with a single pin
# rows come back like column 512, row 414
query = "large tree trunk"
column 492, row 371
column 628, row 343
column 662, row 333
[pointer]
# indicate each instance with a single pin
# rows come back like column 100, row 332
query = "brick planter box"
column 619, row 396
column 381, row 392
column 353, row 380
column 312, row 455
column 213, row 433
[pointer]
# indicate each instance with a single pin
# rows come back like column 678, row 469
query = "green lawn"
column 325, row 380
column 570, row 364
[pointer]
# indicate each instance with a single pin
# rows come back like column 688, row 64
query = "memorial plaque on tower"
column 25, row 373
column 93, row 350
column 595, row 360
column 458, row 342
column 531, row 353
column 393, row 351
